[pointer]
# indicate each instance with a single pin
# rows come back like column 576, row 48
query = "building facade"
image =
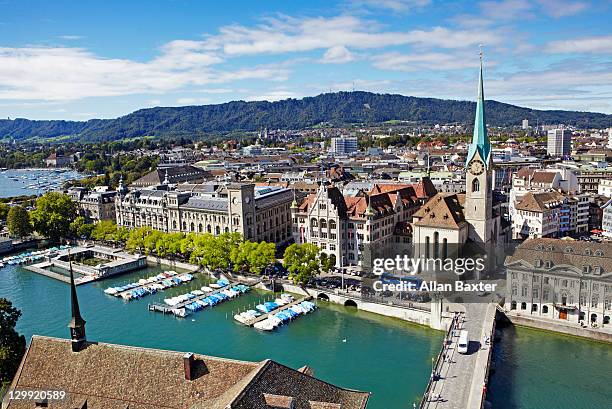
column 261, row 213
column 344, row 145
column 559, row 142
column 569, row 281
column 95, row 205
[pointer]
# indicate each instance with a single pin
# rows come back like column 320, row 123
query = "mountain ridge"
column 336, row 109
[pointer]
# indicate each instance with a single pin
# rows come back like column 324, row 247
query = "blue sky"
column 85, row 59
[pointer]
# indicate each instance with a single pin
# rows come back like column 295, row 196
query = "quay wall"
column 587, row 333
column 48, row 273
column 172, row 263
column 418, row 316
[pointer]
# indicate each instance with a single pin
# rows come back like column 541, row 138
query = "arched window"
column 208, row 229
column 313, row 222
column 191, row 227
column 436, row 249
column 200, row 228
column 545, row 309
column 323, row 223
column 426, row 246
column 217, row 230
column 332, row 225
column 475, row 185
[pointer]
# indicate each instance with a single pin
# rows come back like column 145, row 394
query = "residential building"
column 525, row 124
column 562, row 280
column 95, row 205
column 605, row 187
column 98, row 375
column 258, row 213
column 606, row 219
column 559, row 142
column 59, row 161
column 343, row 145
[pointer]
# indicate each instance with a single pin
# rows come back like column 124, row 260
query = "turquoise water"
column 541, row 370
column 387, row 357
column 26, row 178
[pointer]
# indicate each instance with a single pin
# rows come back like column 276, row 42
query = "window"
column 475, row 185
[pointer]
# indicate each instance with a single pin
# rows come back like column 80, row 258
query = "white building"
column 559, row 142
column 525, row 124
column 344, row 145
column 605, row 187
column 606, row 219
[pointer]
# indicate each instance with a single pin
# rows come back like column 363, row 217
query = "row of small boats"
column 151, row 285
column 200, row 300
column 274, row 320
column 29, row 256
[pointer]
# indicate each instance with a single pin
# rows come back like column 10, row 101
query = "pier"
column 149, row 284
column 279, row 309
column 167, row 309
column 459, row 381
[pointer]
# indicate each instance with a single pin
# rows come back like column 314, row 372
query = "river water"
column 353, row 349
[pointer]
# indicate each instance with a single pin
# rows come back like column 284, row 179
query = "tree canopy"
column 53, row 214
column 18, row 222
column 302, row 262
column 12, row 345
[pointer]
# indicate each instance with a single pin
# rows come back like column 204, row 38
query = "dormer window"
column 586, row 269
column 539, row 247
column 550, row 248
column 599, row 253
column 587, row 252
column 569, row 250
column 548, row 264
column 598, row 270
column 538, row 263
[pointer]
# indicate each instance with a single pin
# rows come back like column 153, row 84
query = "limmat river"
column 353, row 349
column 543, row 370
column 18, row 182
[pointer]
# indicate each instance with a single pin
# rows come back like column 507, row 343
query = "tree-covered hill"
column 334, row 108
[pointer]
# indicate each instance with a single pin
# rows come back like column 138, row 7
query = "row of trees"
column 228, row 251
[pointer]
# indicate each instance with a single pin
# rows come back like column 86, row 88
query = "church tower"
column 478, row 206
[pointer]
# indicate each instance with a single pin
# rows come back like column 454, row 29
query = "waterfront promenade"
column 458, row 380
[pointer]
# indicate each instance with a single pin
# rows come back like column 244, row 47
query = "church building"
column 450, row 220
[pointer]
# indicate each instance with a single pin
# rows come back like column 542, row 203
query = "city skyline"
column 547, row 54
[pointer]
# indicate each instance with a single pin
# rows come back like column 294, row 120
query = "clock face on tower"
column 476, row 167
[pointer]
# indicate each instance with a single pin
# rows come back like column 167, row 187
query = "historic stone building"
column 564, row 280
column 357, row 229
column 95, row 205
column 258, row 213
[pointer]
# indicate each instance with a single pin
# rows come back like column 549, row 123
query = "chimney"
column 188, row 363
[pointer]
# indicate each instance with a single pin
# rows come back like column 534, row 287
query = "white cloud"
column 427, row 61
column 506, row 9
column 274, row 95
column 337, row 55
column 71, row 37
column 590, row 45
column 562, row 8
column 63, row 73
column 394, row 5
column 286, row 34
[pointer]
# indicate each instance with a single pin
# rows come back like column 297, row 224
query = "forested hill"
column 334, row 108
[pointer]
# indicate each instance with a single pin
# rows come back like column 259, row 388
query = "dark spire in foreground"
column 77, row 323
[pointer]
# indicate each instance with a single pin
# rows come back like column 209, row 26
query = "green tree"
column 12, row 345
column 53, row 214
column 239, row 255
column 4, row 210
column 104, row 230
column 263, row 257
column 169, row 244
column 302, row 262
column 80, row 228
column 327, row 262
column 121, row 234
column 151, row 240
column 18, row 222
column 136, row 239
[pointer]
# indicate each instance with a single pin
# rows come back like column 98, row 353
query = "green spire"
column 480, row 139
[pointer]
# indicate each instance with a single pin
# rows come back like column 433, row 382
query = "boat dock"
column 167, row 309
column 145, row 286
column 279, row 309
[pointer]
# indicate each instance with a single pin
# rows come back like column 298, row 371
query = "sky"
column 79, row 60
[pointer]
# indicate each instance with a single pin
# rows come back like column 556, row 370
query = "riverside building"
column 562, row 280
column 258, row 213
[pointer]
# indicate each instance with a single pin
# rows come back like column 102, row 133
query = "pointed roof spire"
column 480, row 139
column 74, row 301
column 166, row 181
